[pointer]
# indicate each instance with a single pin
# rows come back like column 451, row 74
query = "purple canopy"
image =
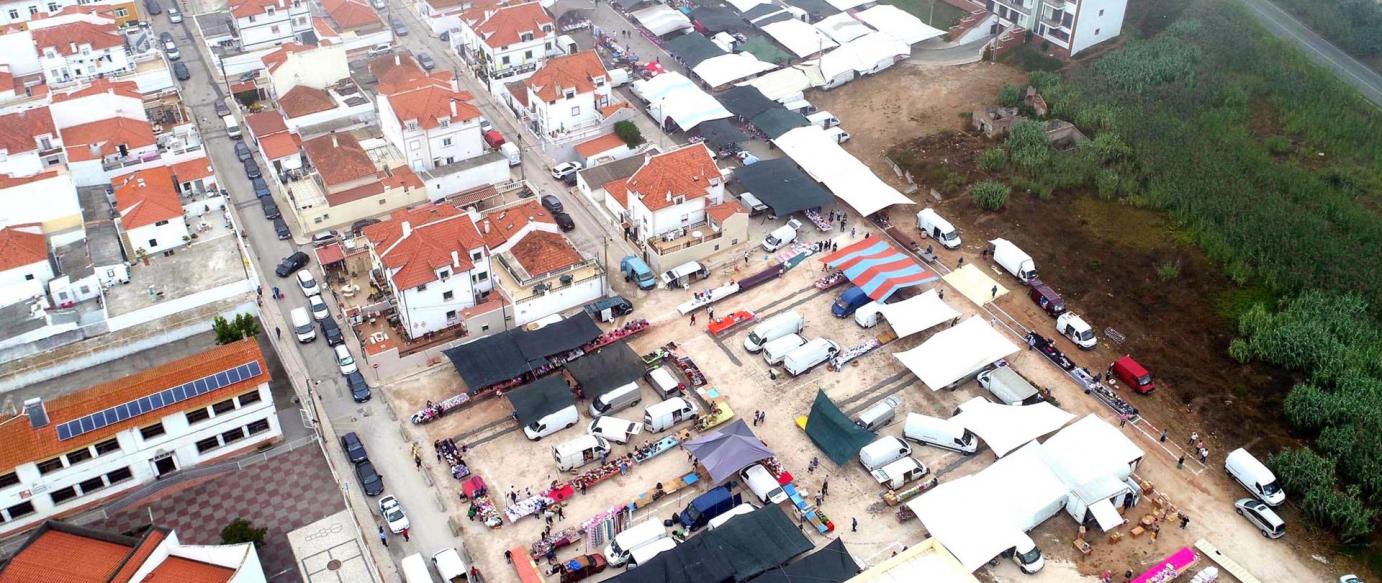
column 724, row 452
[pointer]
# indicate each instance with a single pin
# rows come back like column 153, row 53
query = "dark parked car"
column 359, row 389
column 281, row 228
column 270, row 207
column 290, row 264
column 242, row 151
column 332, row 332
column 359, row 226
column 399, row 29
column 261, row 188
column 617, row 305
column 564, row 221
column 222, row 109
column 252, row 169
column 426, row 61
column 551, row 203
column 354, row 448
column 370, row 480
column 152, row 7
column 180, row 71
column 165, row 37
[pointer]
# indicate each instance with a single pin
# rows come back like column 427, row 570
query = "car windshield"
column 393, row 514
column 755, row 338
column 1030, row 557
column 1144, row 380
column 1271, row 488
column 1087, row 334
column 951, row 236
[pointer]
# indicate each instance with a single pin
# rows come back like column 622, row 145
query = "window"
column 63, row 495
column 9, row 479
column 259, row 426
column 108, row 446
column 198, row 415
column 28, row 277
column 444, row 274
column 152, row 431
column 273, row 29
column 121, row 12
column 153, row 243
column 1101, row 12
column 78, row 456
column 92, row 485
column 525, row 37
column 575, row 111
column 160, row 223
column 482, row 276
column 50, row 466
column 450, row 315
column 21, row 509
column 504, row 59
column 33, row 11
column 208, row 444
column 446, row 297
column 224, row 406
column 475, row 255
column 445, row 142
column 14, row 14
column 1096, row 31
column 527, row 55
column 52, row 6
column 233, row 435
column 250, row 397
column 119, row 475
column 269, row 11
column 421, row 288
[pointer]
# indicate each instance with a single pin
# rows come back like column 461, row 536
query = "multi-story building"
column 355, row 24
column 349, row 185
column 29, row 142
column 428, row 118
column 151, row 216
column 507, row 42
column 566, row 94
column 444, row 16
column 1071, row 26
column 47, row 200
column 20, row 11
column 80, row 50
column 265, row 23
column 24, row 266
column 156, row 555
column 70, row 452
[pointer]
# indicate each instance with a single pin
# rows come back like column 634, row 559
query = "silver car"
column 1261, row 516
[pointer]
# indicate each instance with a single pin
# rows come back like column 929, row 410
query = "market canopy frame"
column 723, row 453
column 782, row 186
column 878, row 268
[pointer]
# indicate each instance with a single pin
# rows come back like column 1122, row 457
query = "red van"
column 494, row 139
column 1134, row 375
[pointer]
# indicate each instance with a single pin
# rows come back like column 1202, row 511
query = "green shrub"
column 629, row 132
column 1027, row 145
column 1278, row 145
column 993, row 159
column 1010, row 95
column 242, row 531
column 989, row 195
column 1168, row 271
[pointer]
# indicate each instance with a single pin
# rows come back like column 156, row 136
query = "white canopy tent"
column 800, row 38
column 661, row 19
column 951, row 355
column 781, row 84
column 875, row 52
column 1007, row 427
column 1090, row 449
column 917, row 313
column 848, row 4
column 653, row 90
column 688, row 107
column 848, row 178
column 843, row 28
column 895, row 22
column 717, row 71
column 1031, row 490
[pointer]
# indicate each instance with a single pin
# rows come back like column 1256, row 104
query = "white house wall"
column 1091, row 28
column 17, row 48
column 93, row 108
column 426, row 311
column 51, row 201
column 495, row 171
column 558, row 300
column 318, row 68
column 22, row 164
column 14, row 287
column 167, row 236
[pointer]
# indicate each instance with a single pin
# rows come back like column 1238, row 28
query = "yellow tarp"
column 974, row 284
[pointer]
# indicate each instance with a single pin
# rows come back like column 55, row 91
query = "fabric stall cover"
column 653, row 90
column 540, row 398
column 955, row 353
column 746, row 5
column 724, row 452
column 571, row 333
column 687, row 107
column 606, row 369
column 849, row 179
column 661, row 19
column 739, row 550
column 815, row 9
column 715, row 19
column 878, row 268
column 724, row 69
column 831, row 564
column 1092, row 448
column 765, row 13
column 1106, row 515
column 1005, row 428
column 489, row 360
column 721, row 133
column 778, row 121
column 782, row 186
column 897, row 23
column 745, row 101
column 833, row 431
column 848, row 4
column 843, row 28
column 917, row 313
column 971, row 528
column 693, row 48
column 800, row 38
column 782, row 83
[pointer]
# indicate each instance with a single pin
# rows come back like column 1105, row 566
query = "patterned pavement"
column 282, row 493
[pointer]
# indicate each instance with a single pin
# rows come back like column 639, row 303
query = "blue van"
column 849, row 301
column 707, row 506
column 634, row 269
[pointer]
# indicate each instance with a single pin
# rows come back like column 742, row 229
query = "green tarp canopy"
column 747, row 545
column 832, row 431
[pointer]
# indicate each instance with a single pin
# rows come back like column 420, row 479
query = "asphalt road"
column 1349, row 70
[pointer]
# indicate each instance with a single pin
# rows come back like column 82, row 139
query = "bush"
column 1027, row 146
column 1301, row 470
column 242, row 531
column 993, row 159
column 989, row 195
column 1106, row 181
column 629, row 132
column 1168, row 271
column 1010, row 95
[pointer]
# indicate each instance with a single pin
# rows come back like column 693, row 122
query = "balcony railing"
column 688, row 237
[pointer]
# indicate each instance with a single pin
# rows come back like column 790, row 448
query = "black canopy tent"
column 692, row 48
column 831, row 564
column 740, row 549
column 574, row 332
column 540, row 398
column 606, row 369
column 817, row 9
column 719, row 19
column 514, row 353
column 721, row 133
column 745, row 101
column 780, row 184
column 779, row 120
column 832, row 431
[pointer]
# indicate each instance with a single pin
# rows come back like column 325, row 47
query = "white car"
column 565, row 169
column 319, row 310
column 308, row 283
column 345, row 360
column 393, row 514
column 1261, row 516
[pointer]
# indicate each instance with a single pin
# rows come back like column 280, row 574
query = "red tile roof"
column 339, row 158
column 20, row 248
column 50, row 554
column 325, row 33
column 351, row 14
column 141, row 552
column 505, row 25
column 395, row 70
column 599, row 144
column 686, row 171
column 63, row 36
column 577, row 72
column 435, row 231
column 194, row 169
column 541, row 252
column 303, row 100
column 265, row 123
column 19, row 130
column 503, row 224
column 246, row 8
column 180, row 570
column 107, row 136
column 19, row 443
column 147, row 197
column 272, row 61
column 619, row 189
column 612, row 108
column 725, row 210
column 401, row 177
column 99, row 86
column 280, row 145
column 429, row 104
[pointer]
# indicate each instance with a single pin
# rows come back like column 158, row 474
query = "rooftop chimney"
column 38, row 415
column 335, row 143
column 397, row 58
column 407, row 228
column 453, row 108
column 455, row 259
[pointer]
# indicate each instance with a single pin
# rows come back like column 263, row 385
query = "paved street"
column 1348, row 69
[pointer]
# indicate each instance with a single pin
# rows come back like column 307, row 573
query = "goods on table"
column 840, row 360
column 601, row 473
column 474, row 489
column 452, row 456
column 820, row 221
column 689, row 368
column 830, row 280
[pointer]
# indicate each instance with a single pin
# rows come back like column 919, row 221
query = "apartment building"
column 1070, row 26
column 265, row 23
column 566, row 94
column 507, row 42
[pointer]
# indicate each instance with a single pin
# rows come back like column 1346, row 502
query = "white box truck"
column 1013, row 259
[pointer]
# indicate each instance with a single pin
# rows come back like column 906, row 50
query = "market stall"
column 783, row 187
column 834, row 432
column 878, row 268
column 1007, row 427
column 725, row 69
column 917, row 313
column 821, row 156
column 606, row 369
column 897, row 23
column 952, row 355
column 723, row 453
column 475, row 490
column 661, row 19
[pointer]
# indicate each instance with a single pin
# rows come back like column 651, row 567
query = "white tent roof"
column 971, row 528
column 781, row 84
column 1091, row 449
column 799, row 37
column 898, row 24
column 848, row 178
column 717, row 71
column 848, row 4
column 724, row 40
column 745, row 5
column 1007, row 427
column 688, row 107
column 953, row 354
column 917, row 313
column 871, row 49
column 653, row 90
column 843, row 28
column 661, row 19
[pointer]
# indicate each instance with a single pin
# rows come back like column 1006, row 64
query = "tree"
column 990, row 195
column 627, row 131
column 227, row 331
column 242, row 531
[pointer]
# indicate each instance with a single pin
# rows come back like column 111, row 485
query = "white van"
column 450, row 565
column 511, row 153
column 789, row 322
column 883, row 451
column 614, row 429
column 552, row 423
column 662, row 416
column 1014, row 260
column 644, row 553
column 664, row 381
column 1254, row 476
column 802, row 360
column 935, row 227
column 878, row 414
column 838, row 134
column 1008, row 386
column 942, row 433
column 899, row 473
column 776, row 350
column 344, row 360
column 782, row 236
column 867, row 315
column 232, row 126
column 616, row 400
column 1072, row 326
column 720, row 520
column 617, row 552
column 763, row 484
column 302, row 325
column 1026, row 554
column 579, row 451
column 823, row 119
column 415, row 569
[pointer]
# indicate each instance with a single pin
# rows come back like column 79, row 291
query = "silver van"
column 664, row 382
column 879, row 414
column 616, row 400
column 776, row 350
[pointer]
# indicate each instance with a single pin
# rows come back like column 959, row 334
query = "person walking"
column 1163, row 435
column 278, row 332
column 1194, row 437
column 383, row 538
column 508, row 557
column 940, row 293
column 960, row 263
column 1180, row 463
column 854, row 525
column 993, row 293
column 1122, row 419
column 1204, row 455
column 1184, row 519
column 417, row 461
column 693, row 318
column 710, row 313
column 825, row 487
column 405, row 535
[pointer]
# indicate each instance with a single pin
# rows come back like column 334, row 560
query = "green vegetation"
column 936, row 13
column 993, row 159
column 990, row 195
column 242, row 531
column 1009, row 95
column 1028, row 58
column 1355, row 26
column 627, row 131
column 227, row 331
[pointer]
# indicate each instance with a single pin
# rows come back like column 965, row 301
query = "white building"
column 265, row 23
column 29, row 142
column 566, row 94
column 80, row 50
column 70, row 453
column 156, row 555
column 104, row 128
column 294, row 64
column 435, row 263
column 426, row 116
column 1071, row 26
column 48, row 200
column 445, row 15
column 24, row 266
column 151, row 218
column 672, row 191
column 507, row 42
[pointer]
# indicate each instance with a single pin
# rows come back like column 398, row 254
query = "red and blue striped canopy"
column 879, row 268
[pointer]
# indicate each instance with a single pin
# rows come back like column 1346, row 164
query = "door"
column 165, row 465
